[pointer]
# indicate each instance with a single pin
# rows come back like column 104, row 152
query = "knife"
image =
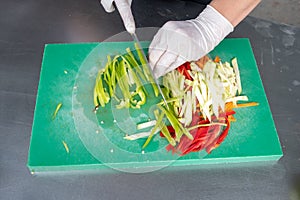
column 128, row 21
column 138, row 44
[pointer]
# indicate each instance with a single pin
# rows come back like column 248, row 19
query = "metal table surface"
column 26, row 26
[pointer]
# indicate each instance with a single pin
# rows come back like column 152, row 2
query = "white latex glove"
column 124, row 9
column 180, row 41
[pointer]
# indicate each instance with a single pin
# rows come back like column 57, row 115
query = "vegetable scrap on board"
column 58, row 107
column 66, row 146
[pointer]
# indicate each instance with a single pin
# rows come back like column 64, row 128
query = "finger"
column 154, row 56
column 157, row 47
column 160, row 41
column 179, row 61
column 166, row 63
column 126, row 15
column 108, row 5
column 129, row 2
column 163, row 64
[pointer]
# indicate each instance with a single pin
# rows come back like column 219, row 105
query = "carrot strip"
column 217, row 59
column 242, row 105
column 229, row 106
column 231, row 118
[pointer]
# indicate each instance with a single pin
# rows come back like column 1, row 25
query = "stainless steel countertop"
column 26, row 26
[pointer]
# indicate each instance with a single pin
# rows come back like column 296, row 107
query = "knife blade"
column 137, row 41
column 128, row 21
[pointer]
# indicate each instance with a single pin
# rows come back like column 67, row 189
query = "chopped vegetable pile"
column 129, row 73
column 201, row 96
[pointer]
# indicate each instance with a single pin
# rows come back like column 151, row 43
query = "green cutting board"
column 77, row 138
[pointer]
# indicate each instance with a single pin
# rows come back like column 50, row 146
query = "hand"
column 180, row 41
column 124, row 9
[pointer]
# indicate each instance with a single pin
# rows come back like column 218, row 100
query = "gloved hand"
column 124, row 9
column 180, row 41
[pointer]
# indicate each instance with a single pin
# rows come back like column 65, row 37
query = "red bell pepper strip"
column 220, row 139
column 207, row 138
column 183, row 69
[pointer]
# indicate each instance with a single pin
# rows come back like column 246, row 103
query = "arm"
column 234, row 10
column 180, row 41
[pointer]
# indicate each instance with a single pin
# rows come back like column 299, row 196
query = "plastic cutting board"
column 78, row 139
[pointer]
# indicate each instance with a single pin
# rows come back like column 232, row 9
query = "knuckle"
column 170, row 25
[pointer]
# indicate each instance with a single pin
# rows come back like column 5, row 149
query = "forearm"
column 234, row 10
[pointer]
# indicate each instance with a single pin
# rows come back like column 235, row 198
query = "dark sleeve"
column 203, row 2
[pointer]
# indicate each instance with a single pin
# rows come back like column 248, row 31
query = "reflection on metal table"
column 28, row 26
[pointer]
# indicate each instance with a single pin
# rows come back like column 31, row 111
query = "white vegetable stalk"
column 146, row 125
column 211, row 88
column 137, row 136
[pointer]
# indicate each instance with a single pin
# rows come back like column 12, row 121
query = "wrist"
column 234, row 10
column 212, row 27
column 215, row 19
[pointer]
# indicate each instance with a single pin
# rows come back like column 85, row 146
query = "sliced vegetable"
column 167, row 135
column 66, row 146
column 217, row 59
column 179, row 129
column 129, row 74
column 159, row 120
column 56, row 110
column 146, row 124
column 137, row 136
column 146, row 69
column 242, row 105
column 237, row 73
column 204, row 125
column 201, row 96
